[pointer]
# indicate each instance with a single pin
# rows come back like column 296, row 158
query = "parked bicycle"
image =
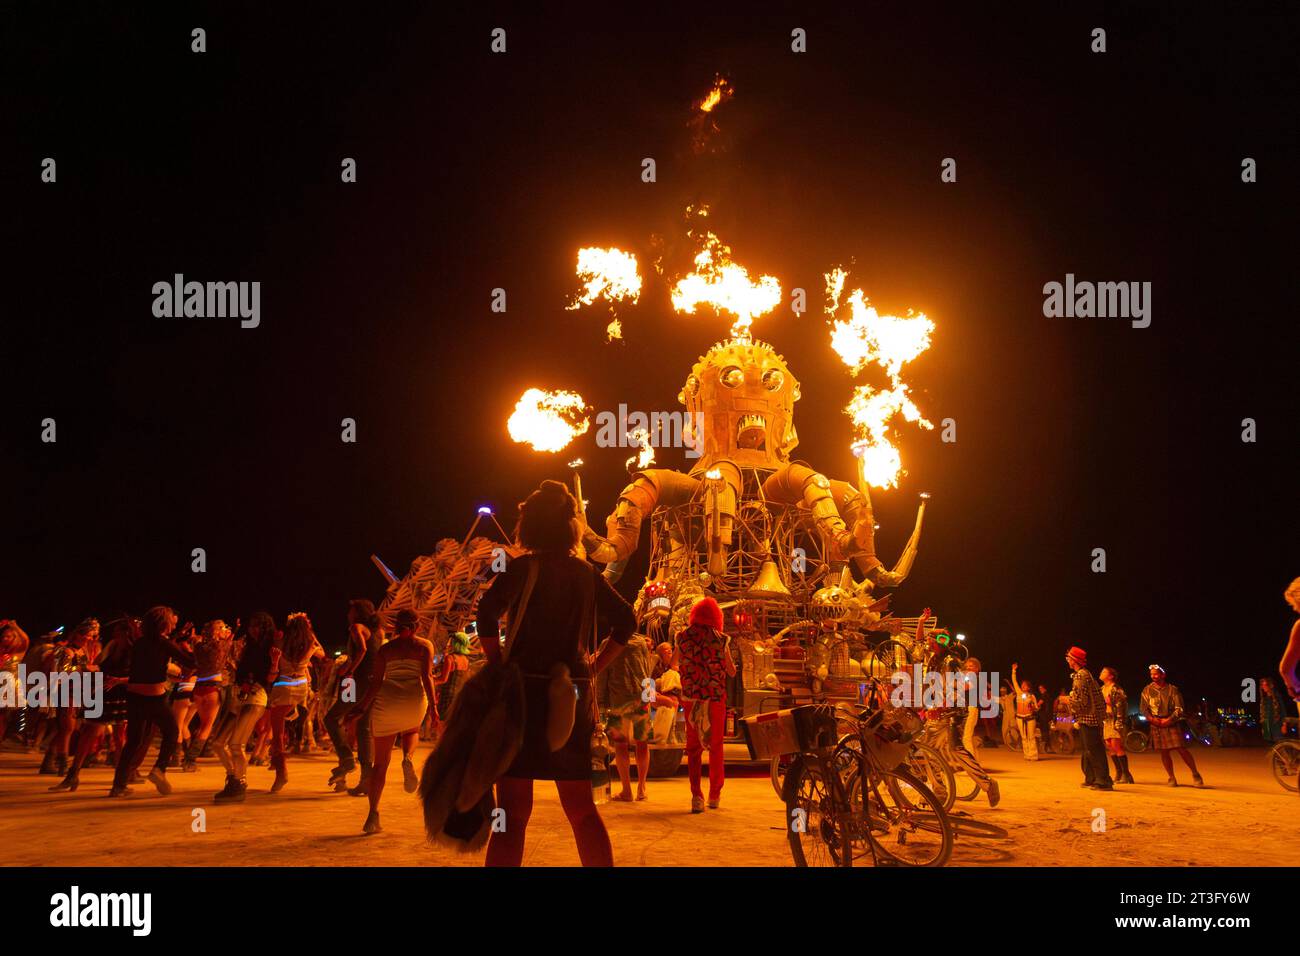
column 844, row 803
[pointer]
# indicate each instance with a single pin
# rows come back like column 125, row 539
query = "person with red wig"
column 703, row 658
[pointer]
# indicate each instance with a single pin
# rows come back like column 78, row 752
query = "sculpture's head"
column 742, row 395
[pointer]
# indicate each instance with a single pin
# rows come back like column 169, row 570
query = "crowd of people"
column 576, row 663
column 240, row 695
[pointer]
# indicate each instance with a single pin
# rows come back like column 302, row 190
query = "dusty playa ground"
column 1242, row 818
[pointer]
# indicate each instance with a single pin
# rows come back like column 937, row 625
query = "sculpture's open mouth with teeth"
column 752, row 431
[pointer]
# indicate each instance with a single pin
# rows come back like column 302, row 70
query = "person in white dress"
column 397, row 699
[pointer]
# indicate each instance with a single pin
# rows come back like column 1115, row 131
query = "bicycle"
column 842, row 803
column 1284, row 761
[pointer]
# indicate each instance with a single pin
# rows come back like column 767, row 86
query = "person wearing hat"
column 1089, row 708
column 1162, row 705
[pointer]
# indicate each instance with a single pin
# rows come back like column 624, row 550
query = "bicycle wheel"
column 928, row 765
column 816, row 817
column 968, row 826
column 1013, row 740
column 901, row 818
column 1284, row 760
column 1136, row 741
column 1062, row 742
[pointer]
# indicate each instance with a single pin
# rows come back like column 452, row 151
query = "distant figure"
column 1026, row 711
column 1115, row 726
column 1162, row 704
column 1272, row 711
column 1045, row 716
column 622, row 690
column 291, row 657
column 1089, row 708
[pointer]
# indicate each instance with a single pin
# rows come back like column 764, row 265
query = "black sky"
column 478, row 170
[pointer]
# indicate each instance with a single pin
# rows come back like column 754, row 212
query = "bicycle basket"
column 889, row 735
column 794, row 730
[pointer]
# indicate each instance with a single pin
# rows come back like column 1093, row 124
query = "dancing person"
column 551, row 629
column 1007, row 710
column 291, row 657
column 147, row 699
column 1162, row 705
column 703, row 659
column 14, row 644
column 211, row 653
column 182, row 695
column 365, row 638
column 1291, row 656
column 970, row 670
column 621, row 691
column 1026, row 708
column 114, row 662
column 68, row 657
column 248, row 706
column 1115, row 724
column 1272, row 712
column 1089, row 709
column 400, row 694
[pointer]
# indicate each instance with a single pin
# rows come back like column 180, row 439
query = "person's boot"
column 175, row 762
column 410, row 782
column 189, row 762
column 1197, row 781
column 235, row 790
column 61, row 764
column 281, row 773
column 158, row 777
column 47, row 764
column 362, row 789
column 1119, row 768
column 122, row 791
column 1128, row 777
column 69, row 783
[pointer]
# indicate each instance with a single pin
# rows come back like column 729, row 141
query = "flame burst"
column 609, row 274
column 868, row 338
column 726, row 286
column 722, row 90
column 548, row 421
column 646, row 456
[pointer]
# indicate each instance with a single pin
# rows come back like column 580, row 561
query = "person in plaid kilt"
column 1162, row 705
column 1089, row 708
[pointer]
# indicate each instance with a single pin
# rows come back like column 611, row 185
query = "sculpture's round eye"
column 732, row 377
column 692, row 385
column 773, row 379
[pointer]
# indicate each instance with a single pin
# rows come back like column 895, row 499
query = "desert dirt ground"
column 1242, row 818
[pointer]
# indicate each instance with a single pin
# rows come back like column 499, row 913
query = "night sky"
column 478, row 170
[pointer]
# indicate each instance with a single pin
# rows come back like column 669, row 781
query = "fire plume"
column 610, row 274
column 865, row 338
column 548, row 421
column 726, row 286
column 646, row 456
column 722, row 90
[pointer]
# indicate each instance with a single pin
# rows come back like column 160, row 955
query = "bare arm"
column 1290, row 658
